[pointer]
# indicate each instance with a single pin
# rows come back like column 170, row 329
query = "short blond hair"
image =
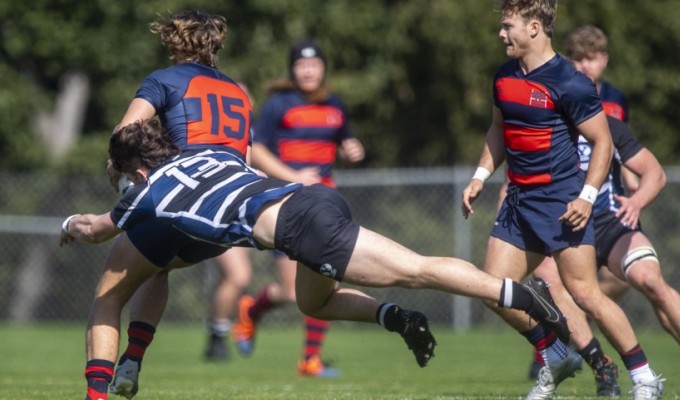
column 585, row 41
column 543, row 10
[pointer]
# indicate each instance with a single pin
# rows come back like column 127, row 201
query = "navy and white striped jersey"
column 212, row 196
column 626, row 145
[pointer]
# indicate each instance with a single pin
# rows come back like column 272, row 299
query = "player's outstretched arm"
column 88, row 228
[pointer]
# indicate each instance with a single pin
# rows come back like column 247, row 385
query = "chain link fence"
column 419, row 208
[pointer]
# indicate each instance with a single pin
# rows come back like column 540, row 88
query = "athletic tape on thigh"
column 637, row 254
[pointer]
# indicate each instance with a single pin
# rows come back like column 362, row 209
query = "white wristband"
column 482, row 174
column 64, row 225
column 588, row 193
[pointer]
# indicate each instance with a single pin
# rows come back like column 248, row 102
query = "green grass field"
column 47, row 362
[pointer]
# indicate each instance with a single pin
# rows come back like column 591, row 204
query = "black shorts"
column 315, row 227
column 608, row 231
column 160, row 243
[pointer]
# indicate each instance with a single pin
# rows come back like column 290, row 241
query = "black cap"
column 305, row 48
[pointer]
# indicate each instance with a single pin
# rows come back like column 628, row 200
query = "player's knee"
column 241, row 282
column 309, row 308
column 587, row 300
column 649, row 282
column 287, row 294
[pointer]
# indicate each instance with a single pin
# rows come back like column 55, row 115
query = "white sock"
column 641, row 374
column 555, row 353
column 220, row 327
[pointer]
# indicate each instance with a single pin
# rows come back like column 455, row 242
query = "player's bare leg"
column 578, row 275
column 319, row 297
column 379, row 261
column 604, row 369
column 611, row 285
column 645, row 276
column 578, row 272
column 235, row 275
column 116, row 286
column 504, row 259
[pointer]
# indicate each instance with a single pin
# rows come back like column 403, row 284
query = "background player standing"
column 298, row 132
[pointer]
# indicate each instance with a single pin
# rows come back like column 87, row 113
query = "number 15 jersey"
column 200, row 107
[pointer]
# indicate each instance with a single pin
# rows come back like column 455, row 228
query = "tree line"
column 416, row 75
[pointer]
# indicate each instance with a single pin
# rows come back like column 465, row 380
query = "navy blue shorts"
column 608, row 231
column 315, row 227
column 160, row 243
column 529, row 218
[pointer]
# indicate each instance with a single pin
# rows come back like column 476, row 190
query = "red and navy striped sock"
column 140, row 335
column 545, row 341
column 99, row 374
column 539, row 337
column 315, row 334
column 262, row 304
column 538, row 358
column 634, row 358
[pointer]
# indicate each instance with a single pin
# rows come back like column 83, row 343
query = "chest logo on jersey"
column 521, row 91
column 538, row 99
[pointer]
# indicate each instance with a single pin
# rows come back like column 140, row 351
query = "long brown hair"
column 140, row 144
column 192, row 36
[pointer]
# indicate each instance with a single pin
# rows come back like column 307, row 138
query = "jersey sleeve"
column 130, row 209
column 153, row 91
column 625, row 143
column 344, row 132
column 580, row 100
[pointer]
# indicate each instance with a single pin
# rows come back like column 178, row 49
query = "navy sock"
column 389, row 316
column 593, row 354
column 634, row 358
column 513, row 295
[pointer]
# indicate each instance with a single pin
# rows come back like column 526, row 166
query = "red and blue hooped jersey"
column 200, row 107
column 614, row 102
column 540, row 111
column 302, row 134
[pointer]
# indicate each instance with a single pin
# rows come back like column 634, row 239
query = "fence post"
column 461, row 316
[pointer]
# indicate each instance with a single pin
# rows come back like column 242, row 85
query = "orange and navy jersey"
column 614, row 102
column 302, row 134
column 540, row 111
column 200, row 107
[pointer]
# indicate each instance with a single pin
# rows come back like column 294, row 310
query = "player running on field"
column 298, row 132
column 586, row 47
column 616, row 220
column 623, row 248
column 541, row 105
